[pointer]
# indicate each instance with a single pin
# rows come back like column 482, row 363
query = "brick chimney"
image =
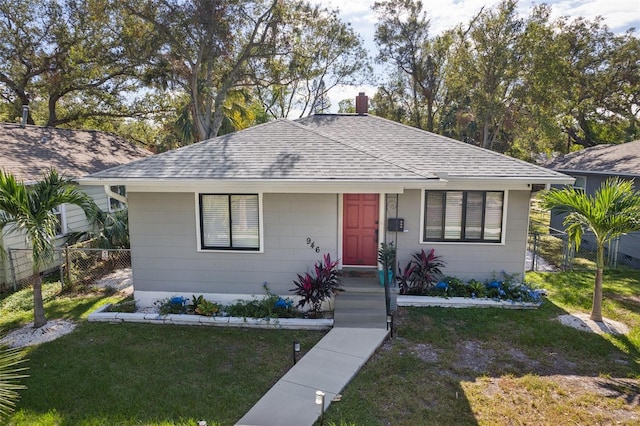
column 362, row 103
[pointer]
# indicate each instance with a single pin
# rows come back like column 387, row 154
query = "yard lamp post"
column 296, row 348
column 320, row 402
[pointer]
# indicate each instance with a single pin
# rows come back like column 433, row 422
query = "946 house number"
column 313, row 245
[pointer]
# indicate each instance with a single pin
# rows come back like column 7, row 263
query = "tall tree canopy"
column 68, row 61
column 315, row 52
column 402, row 35
column 516, row 84
column 204, row 48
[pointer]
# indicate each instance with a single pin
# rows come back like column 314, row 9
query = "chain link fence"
column 74, row 266
column 551, row 251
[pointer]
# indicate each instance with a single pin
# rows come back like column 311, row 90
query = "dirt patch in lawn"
column 561, row 399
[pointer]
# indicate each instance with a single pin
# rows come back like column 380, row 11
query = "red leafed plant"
column 425, row 273
column 315, row 288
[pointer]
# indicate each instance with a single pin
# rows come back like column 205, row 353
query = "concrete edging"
column 463, row 302
column 184, row 319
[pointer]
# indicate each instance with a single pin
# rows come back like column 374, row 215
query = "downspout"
column 114, row 195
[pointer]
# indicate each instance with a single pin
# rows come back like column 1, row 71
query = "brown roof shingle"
column 28, row 152
column 620, row 159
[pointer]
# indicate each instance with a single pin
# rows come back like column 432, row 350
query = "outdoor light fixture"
column 296, row 348
column 390, row 323
column 320, row 402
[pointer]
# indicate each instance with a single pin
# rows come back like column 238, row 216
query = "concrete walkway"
column 359, row 329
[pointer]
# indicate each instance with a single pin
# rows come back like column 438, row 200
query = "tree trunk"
column 486, row 143
column 38, row 306
column 430, row 114
column 596, row 310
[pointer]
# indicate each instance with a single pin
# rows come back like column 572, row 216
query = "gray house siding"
column 166, row 259
column 164, row 245
column 629, row 245
column 467, row 260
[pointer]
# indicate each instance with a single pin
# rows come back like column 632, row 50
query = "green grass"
column 124, row 374
column 443, row 366
column 491, row 366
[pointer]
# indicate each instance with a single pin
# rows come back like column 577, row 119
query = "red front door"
column 360, row 230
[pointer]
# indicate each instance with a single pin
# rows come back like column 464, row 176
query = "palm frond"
column 10, row 376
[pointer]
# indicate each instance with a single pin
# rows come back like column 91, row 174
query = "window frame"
column 201, row 247
column 463, row 222
column 580, row 178
column 61, row 211
column 120, row 190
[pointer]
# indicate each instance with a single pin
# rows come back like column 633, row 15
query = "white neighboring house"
column 28, row 152
column 223, row 216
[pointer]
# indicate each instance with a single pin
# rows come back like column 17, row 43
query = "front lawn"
column 443, row 366
column 124, row 374
column 498, row 366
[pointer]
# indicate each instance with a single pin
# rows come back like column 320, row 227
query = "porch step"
column 360, row 310
column 361, row 285
column 358, row 272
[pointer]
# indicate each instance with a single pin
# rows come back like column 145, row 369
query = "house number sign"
column 313, row 245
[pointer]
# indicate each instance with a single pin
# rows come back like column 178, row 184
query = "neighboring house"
column 592, row 166
column 223, row 216
column 28, row 152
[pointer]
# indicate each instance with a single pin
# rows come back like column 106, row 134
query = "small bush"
column 172, row 305
column 270, row 306
column 126, row 306
column 313, row 290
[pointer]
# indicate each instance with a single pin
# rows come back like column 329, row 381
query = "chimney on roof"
column 362, row 103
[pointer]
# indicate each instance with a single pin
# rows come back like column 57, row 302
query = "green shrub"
column 269, row 306
column 172, row 305
column 201, row 306
column 128, row 305
column 313, row 290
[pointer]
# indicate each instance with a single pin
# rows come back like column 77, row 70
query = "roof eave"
column 597, row 172
column 269, row 185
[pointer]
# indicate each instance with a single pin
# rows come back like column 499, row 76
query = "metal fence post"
column 534, row 254
column 13, row 270
column 614, row 247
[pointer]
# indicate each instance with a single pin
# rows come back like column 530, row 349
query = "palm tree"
column 613, row 210
column 29, row 208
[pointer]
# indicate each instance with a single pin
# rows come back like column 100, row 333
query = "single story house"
column 223, row 216
column 28, row 152
column 591, row 167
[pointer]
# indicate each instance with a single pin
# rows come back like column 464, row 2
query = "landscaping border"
column 187, row 319
column 463, row 302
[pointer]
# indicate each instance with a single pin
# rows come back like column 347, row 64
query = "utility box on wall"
column 395, row 224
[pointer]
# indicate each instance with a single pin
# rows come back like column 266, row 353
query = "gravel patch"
column 582, row 322
column 120, row 280
column 29, row 336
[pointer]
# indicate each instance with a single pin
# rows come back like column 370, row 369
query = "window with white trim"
column 463, row 216
column 229, row 222
column 115, row 204
column 61, row 220
column 580, row 183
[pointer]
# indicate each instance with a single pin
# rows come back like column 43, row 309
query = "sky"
column 619, row 16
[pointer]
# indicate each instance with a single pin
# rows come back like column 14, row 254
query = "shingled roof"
column 356, row 147
column 621, row 159
column 28, row 152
